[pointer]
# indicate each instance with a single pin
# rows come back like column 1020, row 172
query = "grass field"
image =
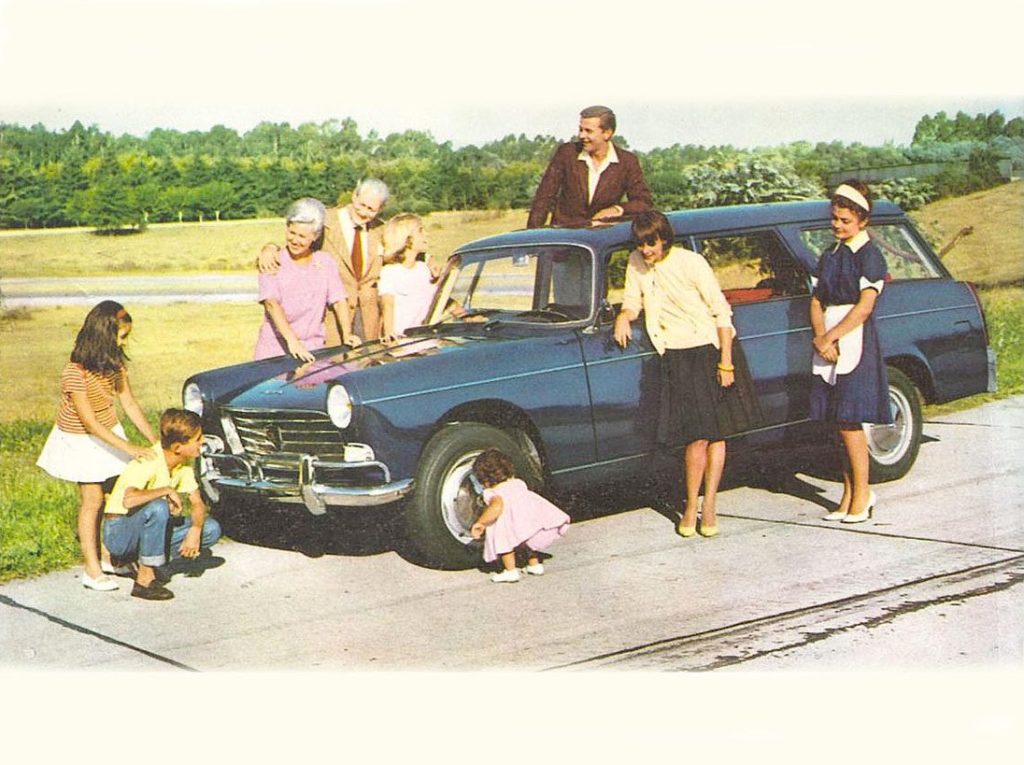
column 200, row 247
column 994, row 253
column 169, row 342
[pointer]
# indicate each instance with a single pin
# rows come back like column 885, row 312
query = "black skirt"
column 693, row 406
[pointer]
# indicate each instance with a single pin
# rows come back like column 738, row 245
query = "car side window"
column 754, row 266
column 616, row 276
column 903, row 255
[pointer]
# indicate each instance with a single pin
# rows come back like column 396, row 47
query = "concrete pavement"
column 932, row 582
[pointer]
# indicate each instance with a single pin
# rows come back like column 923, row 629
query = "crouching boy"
column 147, row 494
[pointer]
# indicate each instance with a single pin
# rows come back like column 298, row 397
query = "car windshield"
column 540, row 284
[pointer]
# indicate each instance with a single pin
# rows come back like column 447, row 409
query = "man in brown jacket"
column 587, row 179
column 352, row 234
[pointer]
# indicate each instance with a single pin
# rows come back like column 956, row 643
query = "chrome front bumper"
column 297, row 479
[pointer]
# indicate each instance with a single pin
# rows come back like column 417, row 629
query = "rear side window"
column 903, row 255
column 754, row 266
column 749, row 267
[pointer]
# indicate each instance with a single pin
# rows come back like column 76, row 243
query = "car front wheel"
column 893, row 448
column 447, row 500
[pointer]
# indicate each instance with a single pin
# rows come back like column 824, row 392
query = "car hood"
column 372, row 370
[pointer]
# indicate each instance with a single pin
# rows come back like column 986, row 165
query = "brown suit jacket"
column 563, row 189
column 362, row 292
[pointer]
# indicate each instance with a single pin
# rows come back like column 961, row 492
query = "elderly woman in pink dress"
column 296, row 296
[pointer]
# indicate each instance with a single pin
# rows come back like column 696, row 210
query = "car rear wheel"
column 893, row 448
column 447, row 501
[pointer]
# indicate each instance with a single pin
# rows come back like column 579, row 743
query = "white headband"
column 853, row 195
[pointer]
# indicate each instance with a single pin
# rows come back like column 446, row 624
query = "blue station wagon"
column 532, row 369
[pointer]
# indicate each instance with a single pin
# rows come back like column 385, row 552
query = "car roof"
column 684, row 222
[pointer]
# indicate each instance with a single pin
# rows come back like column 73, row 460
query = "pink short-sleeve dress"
column 526, row 517
column 303, row 292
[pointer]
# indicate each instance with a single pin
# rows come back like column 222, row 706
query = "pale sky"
column 742, row 73
column 469, row 71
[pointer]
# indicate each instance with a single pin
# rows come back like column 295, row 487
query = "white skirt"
column 80, row 457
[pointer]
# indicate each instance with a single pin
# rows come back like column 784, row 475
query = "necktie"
column 357, row 252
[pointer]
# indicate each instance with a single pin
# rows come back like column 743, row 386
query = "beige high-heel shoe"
column 708, row 531
column 686, row 531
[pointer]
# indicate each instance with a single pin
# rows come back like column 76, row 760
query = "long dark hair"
column 96, row 345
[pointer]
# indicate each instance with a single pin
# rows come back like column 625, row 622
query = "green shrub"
column 908, row 193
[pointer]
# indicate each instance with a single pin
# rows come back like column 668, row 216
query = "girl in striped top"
column 87, row 444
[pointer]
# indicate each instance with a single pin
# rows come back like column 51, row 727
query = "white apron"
column 850, row 347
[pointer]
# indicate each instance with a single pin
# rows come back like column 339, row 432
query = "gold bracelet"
column 724, row 368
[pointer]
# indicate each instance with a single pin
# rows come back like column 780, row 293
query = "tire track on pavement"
column 756, row 638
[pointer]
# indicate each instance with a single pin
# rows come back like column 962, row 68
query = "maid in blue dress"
column 850, row 385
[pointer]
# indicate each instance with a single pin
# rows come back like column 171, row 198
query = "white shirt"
column 594, row 169
column 412, row 290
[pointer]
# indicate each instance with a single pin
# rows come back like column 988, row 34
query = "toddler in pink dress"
column 514, row 516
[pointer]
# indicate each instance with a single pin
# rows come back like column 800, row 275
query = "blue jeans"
column 144, row 533
column 210, row 534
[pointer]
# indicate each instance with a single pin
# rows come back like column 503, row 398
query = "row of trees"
column 83, row 176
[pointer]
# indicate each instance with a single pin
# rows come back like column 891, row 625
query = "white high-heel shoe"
column 865, row 514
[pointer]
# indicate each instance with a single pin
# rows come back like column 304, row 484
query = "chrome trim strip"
column 647, row 455
column 473, row 383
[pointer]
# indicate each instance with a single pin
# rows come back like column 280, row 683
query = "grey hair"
column 374, row 185
column 307, row 210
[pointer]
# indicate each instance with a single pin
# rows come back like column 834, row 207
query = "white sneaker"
column 509, row 575
column 101, row 582
column 537, row 570
column 109, row 568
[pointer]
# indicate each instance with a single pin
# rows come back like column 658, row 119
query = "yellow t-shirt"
column 150, row 473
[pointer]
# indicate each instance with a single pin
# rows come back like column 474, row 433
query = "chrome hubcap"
column 461, row 503
column 889, row 443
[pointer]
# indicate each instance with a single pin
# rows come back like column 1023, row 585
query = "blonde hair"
column 397, row 236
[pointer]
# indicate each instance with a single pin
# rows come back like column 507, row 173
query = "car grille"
column 265, row 433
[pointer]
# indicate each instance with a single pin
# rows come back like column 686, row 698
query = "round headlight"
column 192, row 398
column 339, row 406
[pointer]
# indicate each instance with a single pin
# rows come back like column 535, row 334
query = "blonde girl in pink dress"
column 514, row 517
